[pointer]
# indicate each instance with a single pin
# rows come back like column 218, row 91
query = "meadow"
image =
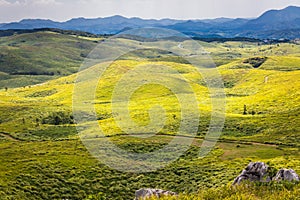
column 42, row 156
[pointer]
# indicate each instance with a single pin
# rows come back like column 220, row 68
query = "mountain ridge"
column 283, row 20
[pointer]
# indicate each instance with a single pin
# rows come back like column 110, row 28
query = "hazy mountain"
column 31, row 24
column 112, row 25
column 191, row 26
column 107, row 25
column 288, row 18
column 288, row 14
column 235, row 23
column 274, row 23
column 217, row 20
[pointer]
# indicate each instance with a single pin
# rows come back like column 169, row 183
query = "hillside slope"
column 270, row 95
column 42, row 157
column 31, row 58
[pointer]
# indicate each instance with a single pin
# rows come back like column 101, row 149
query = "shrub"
column 58, row 118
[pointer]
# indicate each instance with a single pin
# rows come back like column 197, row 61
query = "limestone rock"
column 146, row 193
column 286, row 175
column 253, row 172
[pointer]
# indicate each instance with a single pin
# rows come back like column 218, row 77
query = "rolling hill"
column 243, row 74
column 30, row 57
column 35, row 57
column 41, row 154
column 40, row 149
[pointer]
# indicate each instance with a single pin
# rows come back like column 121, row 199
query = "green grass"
column 33, row 58
column 42, row 157
column 65, row 169
column 282, row 63
column 270, row 105
column 281, row 191
column 40, row 57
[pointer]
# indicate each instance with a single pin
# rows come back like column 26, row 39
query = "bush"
column 58, row 118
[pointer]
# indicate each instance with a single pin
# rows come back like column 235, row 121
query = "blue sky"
column 61, row 10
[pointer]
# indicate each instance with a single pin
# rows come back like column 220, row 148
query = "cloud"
column 61, row 10
column 4, row 3
column 27, row 2
column 46, row 2
column 25, row 9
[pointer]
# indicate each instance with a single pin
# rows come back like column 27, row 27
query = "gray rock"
column 253, row 172
column 145, row 193
column 286, row 175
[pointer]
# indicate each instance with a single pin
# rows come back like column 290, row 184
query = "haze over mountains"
column 273, row 24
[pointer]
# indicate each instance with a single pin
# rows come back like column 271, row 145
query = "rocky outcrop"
column 286, row 175
column 147, row 193
column 253, row 172
column 258, row 171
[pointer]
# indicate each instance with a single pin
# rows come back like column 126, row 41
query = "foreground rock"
column 147, row 193
column 253, row 172
column 286, row 175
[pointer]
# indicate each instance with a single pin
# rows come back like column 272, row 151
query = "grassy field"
column 270, row 105
column 43, row 158
column 281, row 191
column 65, row 169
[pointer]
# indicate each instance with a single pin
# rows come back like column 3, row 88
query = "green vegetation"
column 64, row 169
column 32, row 58
column 280, row 191
column 42, row 157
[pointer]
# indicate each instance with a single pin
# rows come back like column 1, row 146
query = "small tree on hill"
column 245, row 110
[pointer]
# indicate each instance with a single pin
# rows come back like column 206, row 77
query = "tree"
column 245, row 110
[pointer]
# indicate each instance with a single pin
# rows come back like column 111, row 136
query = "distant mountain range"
column 273, row 24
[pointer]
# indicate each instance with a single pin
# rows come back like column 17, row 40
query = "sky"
column 62, row 10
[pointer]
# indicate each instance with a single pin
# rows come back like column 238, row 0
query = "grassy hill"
column 32, row 58
column 42, row 157
column 27, row 115
column 270, row 105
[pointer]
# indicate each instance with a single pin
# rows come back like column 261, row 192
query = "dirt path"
column 9, row 137
column 248, row 143
column 218, row 141
column 197, row 141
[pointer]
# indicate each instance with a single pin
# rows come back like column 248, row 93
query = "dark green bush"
column 58, row 118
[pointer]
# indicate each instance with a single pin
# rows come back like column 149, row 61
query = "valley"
column 42, row 156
